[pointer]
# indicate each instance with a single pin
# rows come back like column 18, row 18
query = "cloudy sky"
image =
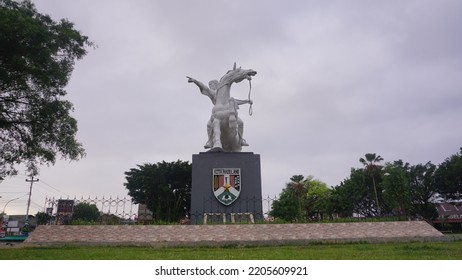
column 336, row 80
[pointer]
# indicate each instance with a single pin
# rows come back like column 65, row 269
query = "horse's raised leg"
column 233, row 134
column 217, row 134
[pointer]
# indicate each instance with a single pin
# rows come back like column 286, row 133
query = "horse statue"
column 225, row 129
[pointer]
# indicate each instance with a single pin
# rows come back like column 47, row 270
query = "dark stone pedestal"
column 203, row 200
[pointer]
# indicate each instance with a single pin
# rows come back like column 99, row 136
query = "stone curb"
column 233, row 235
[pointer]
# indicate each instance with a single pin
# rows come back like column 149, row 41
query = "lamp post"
column 10, row 201
column 4, row 207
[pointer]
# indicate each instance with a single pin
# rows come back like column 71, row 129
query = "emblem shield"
column 226, row 184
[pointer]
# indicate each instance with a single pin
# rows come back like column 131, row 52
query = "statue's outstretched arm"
column 192, row 80
column 203, row 88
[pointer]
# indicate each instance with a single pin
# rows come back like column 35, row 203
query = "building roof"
column 449, row 210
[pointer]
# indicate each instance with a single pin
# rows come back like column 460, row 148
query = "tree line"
column 394, row 189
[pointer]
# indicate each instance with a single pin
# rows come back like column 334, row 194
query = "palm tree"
column 370, row 164
column 297, row 184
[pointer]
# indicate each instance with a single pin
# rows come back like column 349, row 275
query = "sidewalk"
column 220, row 235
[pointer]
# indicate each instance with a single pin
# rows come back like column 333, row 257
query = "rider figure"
column 211, row 92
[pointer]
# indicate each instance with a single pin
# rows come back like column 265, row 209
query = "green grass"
column 358, row 251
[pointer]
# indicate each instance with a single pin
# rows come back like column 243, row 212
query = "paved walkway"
column 219, row 235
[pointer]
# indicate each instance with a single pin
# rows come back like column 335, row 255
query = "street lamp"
column 10, row 201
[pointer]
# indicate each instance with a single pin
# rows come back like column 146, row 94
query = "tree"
column 449, row 177
column 372, row 169
column 340, row 201
column 302, row 199
column 86, row 212
column 396, row 189
column 164, row 187
column 408, row 190
column 297, row 185
column 423, row 190
column 291, row 203
column 286, row 207
column 353, row 195
column 317, row 198
column 37, row 57
column 42, row 218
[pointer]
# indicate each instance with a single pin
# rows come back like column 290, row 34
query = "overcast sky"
column 336, row 80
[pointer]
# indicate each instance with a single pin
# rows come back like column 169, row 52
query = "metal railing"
column 124, row 211
column 112, row 210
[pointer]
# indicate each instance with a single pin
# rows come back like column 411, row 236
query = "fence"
column 113, row 210
column 124, row 211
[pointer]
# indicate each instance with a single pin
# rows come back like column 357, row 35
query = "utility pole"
column 32, row 180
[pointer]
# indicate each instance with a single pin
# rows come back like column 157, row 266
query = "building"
column 12, row 225
column 449, row 216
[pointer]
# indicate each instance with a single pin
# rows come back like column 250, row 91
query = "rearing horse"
column 225, row 128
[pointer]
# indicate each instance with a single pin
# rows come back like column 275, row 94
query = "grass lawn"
column 360, row 251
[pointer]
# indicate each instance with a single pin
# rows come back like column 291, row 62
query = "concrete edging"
column 233, row 235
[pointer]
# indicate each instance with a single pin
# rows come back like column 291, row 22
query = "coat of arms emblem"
column 226, row 184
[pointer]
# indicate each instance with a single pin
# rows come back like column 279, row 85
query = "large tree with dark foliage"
column 449, row 177
column 164, row 187
column 37, row 57
column 423, row 190
column 85, row 212
column 286, row 207
column 397, row 196
column 356, row 194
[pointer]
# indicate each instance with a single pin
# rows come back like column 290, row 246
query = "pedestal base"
column 204, row 202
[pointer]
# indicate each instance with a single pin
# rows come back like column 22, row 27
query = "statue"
column 225, row 129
